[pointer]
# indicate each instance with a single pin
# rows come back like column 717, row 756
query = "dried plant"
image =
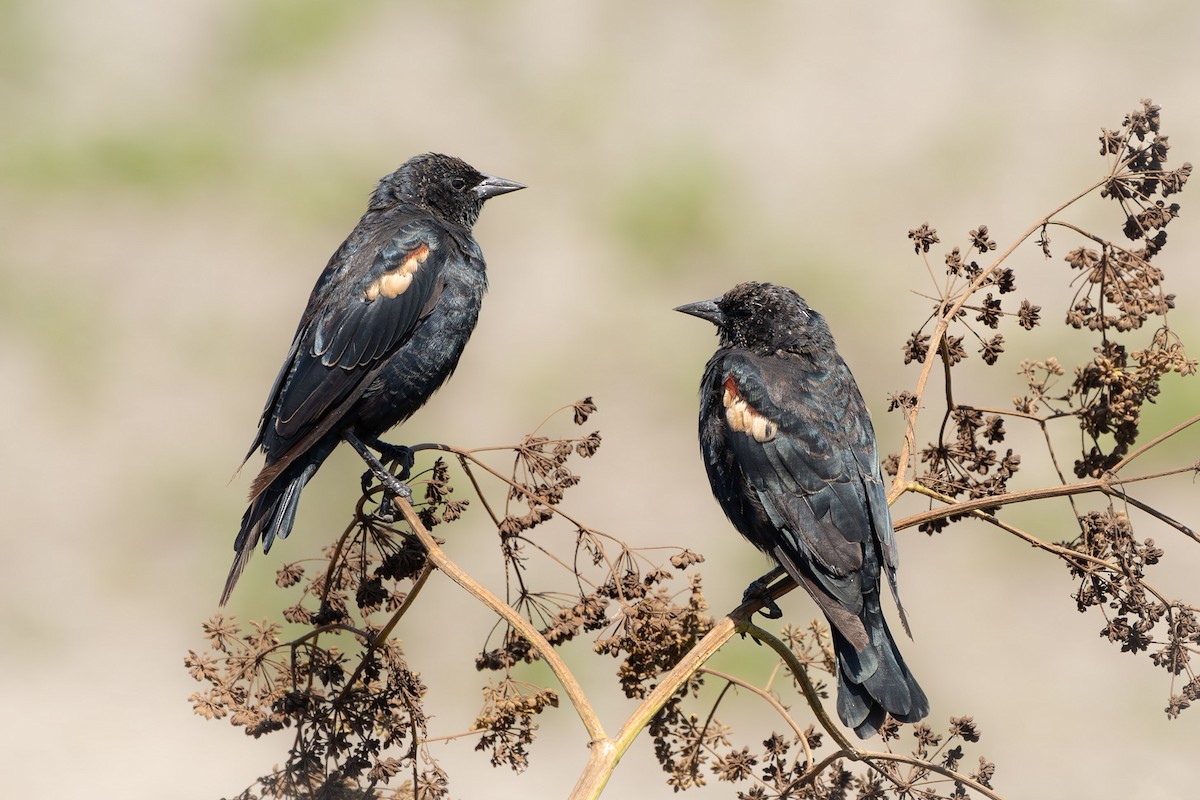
column 1119, row 299
column 331, row 672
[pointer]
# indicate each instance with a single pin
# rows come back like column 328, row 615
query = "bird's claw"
column 744, row 633
column 370, row 476
column 771, row 609
column 760, row 592
column 397, row 455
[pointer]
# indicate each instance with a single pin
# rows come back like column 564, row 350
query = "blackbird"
column 791, row 457
column 384, row 327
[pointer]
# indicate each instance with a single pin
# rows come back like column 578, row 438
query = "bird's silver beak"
column 491, row 186
column 705, row 309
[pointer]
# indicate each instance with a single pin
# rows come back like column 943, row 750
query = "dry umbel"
column 329, row 671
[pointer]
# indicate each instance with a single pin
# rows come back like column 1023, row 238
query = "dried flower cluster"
column 962, row 461
column 343, row 686
column 934, row 758
column 1118, row 291
column 1122, row 290
column 1139, row 618
column 805, row 763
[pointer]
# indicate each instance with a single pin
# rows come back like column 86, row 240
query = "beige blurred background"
column 173, row 176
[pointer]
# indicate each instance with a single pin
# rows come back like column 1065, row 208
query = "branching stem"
column 948, row 313
column 562, row 672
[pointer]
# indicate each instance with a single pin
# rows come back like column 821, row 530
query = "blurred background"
column 173, row 176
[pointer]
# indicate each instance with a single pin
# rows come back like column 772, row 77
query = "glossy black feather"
column 384, row 327
column 791, row 455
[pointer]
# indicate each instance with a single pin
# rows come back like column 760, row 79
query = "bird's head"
column 449, row 186
column 763, row 317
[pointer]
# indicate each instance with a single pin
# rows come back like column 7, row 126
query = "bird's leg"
column 759, row 591
column 397, row 455
column 392, row 456
column 393, row 486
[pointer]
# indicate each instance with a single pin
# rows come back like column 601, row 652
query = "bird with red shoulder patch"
column 791, row 456
column 384, row 328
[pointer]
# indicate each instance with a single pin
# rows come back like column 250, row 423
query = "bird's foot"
column 387, row 511
column 399, row 460
column 759, row 591
column 396, row 456
column 393, row 485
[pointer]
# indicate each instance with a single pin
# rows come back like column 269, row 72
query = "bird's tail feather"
column 271, row 515
column 875, row 681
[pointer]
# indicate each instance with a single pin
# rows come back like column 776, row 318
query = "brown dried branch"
column 562, row 672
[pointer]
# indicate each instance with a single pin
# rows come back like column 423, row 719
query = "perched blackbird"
column 790, row 453
column 383, row 329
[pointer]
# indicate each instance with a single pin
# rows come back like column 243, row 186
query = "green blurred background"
column 173, row 176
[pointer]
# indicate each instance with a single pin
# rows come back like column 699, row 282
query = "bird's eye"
column 458, row 184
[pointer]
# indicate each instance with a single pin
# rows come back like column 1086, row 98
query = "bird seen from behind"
column 384, row 327
column 790, row 452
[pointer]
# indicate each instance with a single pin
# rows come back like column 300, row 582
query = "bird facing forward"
column 384, row 327
column 791, row 456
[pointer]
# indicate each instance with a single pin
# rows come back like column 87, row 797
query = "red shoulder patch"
column 395, row 282
column 743, row 417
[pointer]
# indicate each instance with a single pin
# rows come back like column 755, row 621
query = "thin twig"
column 800, row 672
column 1187, row 423
column 868, row 756
column 387, row 629
column 562, row 672
column 947, row 316
column 712, row 713
column 771, row 700
column 1072, row 557
column 1104, row 485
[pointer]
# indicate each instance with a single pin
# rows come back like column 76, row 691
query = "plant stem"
column 945, row 317
column 607, row 753
column 561, row 671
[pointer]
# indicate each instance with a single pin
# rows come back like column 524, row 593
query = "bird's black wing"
column 364, row 307
column 801, row 435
